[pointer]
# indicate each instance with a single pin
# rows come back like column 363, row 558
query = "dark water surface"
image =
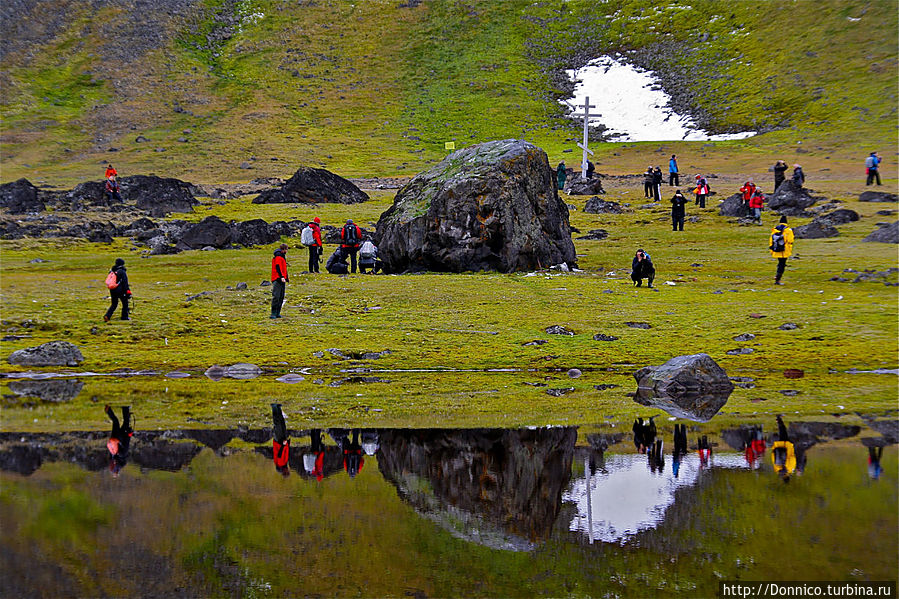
column 443, row 512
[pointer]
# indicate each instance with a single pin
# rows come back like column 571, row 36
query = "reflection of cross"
column 584, row 146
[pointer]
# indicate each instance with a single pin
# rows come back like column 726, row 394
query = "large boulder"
column 791, row 199
column 54, row 353
column 254, row 232
column 597, row 206
column 815, row 230
column 158, row 195
column 211, row 231
column 877, row 196
column 20, row 197
column 576, row 186
column 492, row 206
column 313, row 186
column 885, row 234
column 91, row 193
column 838, row 217
column 732, row 206
column 694, row 387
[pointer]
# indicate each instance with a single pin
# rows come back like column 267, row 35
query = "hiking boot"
column 105, row 318
column 126, row 318
column 777, row 282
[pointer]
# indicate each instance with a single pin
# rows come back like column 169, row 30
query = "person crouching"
column 642, row 268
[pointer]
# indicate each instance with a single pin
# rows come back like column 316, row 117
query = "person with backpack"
column 119, row 439
column 279, row 279
column 756, row 202
column 779, row 168
column 701, row 191
column 872, row 164
column 678, row 211
column 368, row 257
column 561, row 175
column 642, row 268
column 781, row 246
column 657, row 184
column 311, row 237
column 798, row 176
column 119, row 290
column 280, row 441
column 112, row 190
column 350, row 238
column 747, row 190
column 337, row 263
column 673, row 176
column 648, row 183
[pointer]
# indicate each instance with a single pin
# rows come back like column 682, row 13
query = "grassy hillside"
column 376, row 88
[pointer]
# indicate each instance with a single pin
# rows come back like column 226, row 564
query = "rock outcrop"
column 158, row 195
column 493, row 206
column 54, row 353
column 885, row 234
column 732, row 206
column 815, row 230
column 211, row 231
column 877, row 196
column 791, row 199
column 597, row 206
column 694, row 387
column 20, row 197
column 576, row 186
column 313, row 186
column 838, row 217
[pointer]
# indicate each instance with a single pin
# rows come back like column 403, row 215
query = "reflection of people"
column 657, row 457
column 644, row 433
column 352, row 455
column 370, row 442
column 874, row 455
column 680, row 447
column 280, row 440
column 704, row 451
column 783, row 453
column 754, row 447
column 119, row 439
column 314, row 461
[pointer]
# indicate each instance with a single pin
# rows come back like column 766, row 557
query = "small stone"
column 604, row 387
column 208, row 248
column 639, row 325
column 535, row 342
column 603, row 337
column 789, row 392
column 744, row 337
column 244, row 165
column 559, row 392
column 794, row 373
column 557, row 329
column 574, row 373
column 788, row 326
column 241, row 286
column 265, row 284
column 757, row 315
column 739, row 351
column 38, row 261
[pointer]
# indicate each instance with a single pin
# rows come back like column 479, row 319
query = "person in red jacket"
column 279, row 279
column 110, row 171
column 350, row 239
column 755, row 205
column 747, row 190
column 280, row 440
column 315, row 250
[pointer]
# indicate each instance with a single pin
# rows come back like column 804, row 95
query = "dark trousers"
column 657, row 191
column 314, row 252
column 277, row 297
column 122, row 431
column 778, row 181
column 113, row 195
column 872, row 174
column 647, row 190
column 677, row 222
column 115, row 303
column 781, row 265
column 700, row 199
column 373, row 266
column 673, row 179
column 279, row 427
column 638, row 277
column 351, row 252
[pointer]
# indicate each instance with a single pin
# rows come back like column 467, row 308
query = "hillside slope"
column 234, row 89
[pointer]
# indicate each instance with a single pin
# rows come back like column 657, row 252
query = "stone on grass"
column 603, row 337
column 694, row 387
column 732, row 206
column 158, row 195
column 815, row 230
column 739, row 351
column 558, row 329
column 574, row 373
column 584, row 187
column 878, row 196
column 209, row 232
column 492, row 206
column 838, row 217
column 595, row 235
column 788, row 326
column 559, row 392
column 54, row 353
column 639, row 325
column 596, row 205
column 313, row 186
column 885, row 234
column 791, row 199
column 19, row 197
column 744, row 337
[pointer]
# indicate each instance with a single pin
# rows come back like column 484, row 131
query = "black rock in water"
column 791, row 199
column 313, row 186
column 885, row 234
column 20, row 197
column 492, row 206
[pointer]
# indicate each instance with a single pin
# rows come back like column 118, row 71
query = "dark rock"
column 54, row 353
column 595, row 235
column 331, row 234
column 211, row 231
column 493, row 206
column 789, row 392
column 253, row 232
column 791, row 199
column 20, row 197
column 597, row 206
column 265, row 284
column 58, row 390
column 639, row 325
column 788, row 326
column 241, row 286
column 535, row 342
column 838, row 217
column 202, row 294
column 885, row 212
column 602, row 337
column 160, row 246
column 158, row 195
column 605, row 386
column 574, row 373
column 877, row 196
column 576, row 186
column 558, row 329
column 313, row 186
column 744, row 337
column 887, row 234
column 559, row 392
column 794, row 373
column 739, row 351
column 815, row 230
column 692, row 387
column 732, row 206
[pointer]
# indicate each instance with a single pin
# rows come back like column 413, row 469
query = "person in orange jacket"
column 280, row 440
column 279, row 279
column 110, row 171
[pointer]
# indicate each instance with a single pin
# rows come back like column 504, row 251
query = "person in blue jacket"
column 673, row 176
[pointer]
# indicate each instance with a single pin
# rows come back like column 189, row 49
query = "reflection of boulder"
column 213, row 439
column 888, row 428
column 163, row 455
column 24, row 459
column 805, row 434
column 48, row 390
column 500, row 488
column 692, row 387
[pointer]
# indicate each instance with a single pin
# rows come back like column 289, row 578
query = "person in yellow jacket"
column 781, row 246
column 783, row 454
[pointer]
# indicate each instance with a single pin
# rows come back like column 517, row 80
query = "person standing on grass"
column 647, row 183
column 350, row 239
column 279, row 279
column 121, row 292
column 756, row 202
column 701, row 191
column 561, row 175
column 315, row 250
column 673, row 176
column 872, row 168
column 780, row 168
column 657, row 183
column 781, row 246
column 747, row 190
column 678, row 211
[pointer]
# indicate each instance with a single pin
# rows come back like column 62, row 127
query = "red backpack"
column 112, row 280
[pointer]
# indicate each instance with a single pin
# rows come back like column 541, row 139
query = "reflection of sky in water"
column 626, row 497
column 623, row 95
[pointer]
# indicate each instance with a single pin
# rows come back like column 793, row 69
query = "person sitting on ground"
column 642, row 268
column 368, row 257
column 747, row 190
column 337, row 264
column 756, row 202
column 798, row 176
column 112, row 190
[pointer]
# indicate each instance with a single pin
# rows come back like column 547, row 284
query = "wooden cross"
column 584, row 146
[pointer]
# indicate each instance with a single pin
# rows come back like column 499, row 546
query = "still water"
column 445, row 512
